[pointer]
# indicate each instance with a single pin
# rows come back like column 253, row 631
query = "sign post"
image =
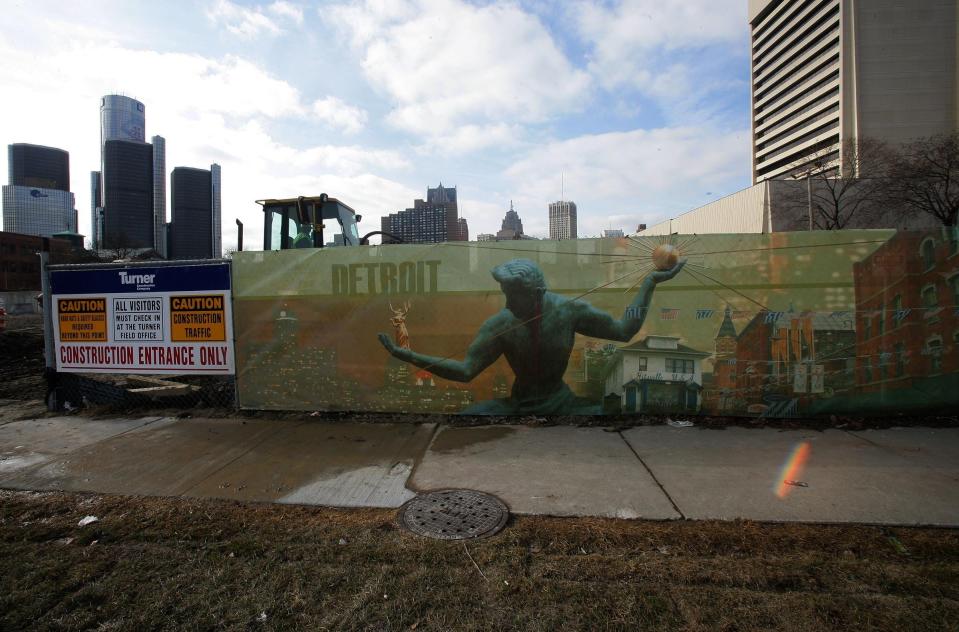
column 49, row 361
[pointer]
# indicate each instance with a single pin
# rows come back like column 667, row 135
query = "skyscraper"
column 195, row 204
column 562, row 220
column 126, row 201
column 159, row 195
column 433, row 220
column 831, row 70
column 127, row 217
column 512, row 226
column 96, row 221
column 121, row 118
column 38, row 166
column 37, row 200
column 216, row 181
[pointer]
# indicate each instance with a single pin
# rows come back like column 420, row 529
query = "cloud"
column 227, row 118
column 643, row 25
column 633, row 176
column 228, row 85
column 668, row 51
column 286, row 10
column 447, row 63
column 339, row 115
column 471, row 138
column 253, row 22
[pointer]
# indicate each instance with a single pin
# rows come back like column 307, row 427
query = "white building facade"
column 656, row 374
column 562, row 220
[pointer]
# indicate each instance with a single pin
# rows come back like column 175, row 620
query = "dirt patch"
column 21, row 359
column 197, row 564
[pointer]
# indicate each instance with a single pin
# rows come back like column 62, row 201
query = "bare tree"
column 925, row 177
column 120, row 247
column 839, row 193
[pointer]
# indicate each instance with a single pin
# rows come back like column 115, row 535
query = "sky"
column 637, row 110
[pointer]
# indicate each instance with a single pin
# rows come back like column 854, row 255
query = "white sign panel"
column 799, row 378
column 158, row 320
column 817, row 379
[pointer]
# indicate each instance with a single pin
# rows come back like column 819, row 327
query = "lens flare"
column 792, row 469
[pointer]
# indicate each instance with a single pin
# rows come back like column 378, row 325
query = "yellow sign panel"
column 82, row 319
column 197, row 318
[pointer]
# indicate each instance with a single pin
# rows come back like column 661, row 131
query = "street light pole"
column 809, row 197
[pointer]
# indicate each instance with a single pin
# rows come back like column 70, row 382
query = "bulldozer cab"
column 308, row 222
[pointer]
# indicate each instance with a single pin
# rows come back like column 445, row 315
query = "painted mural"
column 779, row 325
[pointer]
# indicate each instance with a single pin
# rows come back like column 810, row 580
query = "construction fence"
column 157, row 334
column 776, row 325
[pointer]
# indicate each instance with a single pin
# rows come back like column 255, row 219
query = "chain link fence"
column 141, row 392
column 23, row 378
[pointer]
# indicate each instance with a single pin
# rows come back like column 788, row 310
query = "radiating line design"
column 645, row 271
column 829, row 245
column 701, row 271
column 693, row 274
column 551, row 252
column 640, row 245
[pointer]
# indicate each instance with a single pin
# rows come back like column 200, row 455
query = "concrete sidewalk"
column 897, row 476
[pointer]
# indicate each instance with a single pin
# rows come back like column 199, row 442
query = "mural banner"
column 782, row 324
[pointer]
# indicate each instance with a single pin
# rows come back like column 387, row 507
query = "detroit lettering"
column 407, row 277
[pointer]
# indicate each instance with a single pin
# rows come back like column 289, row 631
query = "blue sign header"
column 120, row 280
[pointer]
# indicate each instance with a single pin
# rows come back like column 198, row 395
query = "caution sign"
column 198, row 318
column 82, row 319
column 143, row 319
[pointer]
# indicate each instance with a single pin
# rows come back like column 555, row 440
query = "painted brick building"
column 778, row 353
column 907, row 299
column 720, row 393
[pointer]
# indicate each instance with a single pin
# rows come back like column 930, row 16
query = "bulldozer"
column 313, row 222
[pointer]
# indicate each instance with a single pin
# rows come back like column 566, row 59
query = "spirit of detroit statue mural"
column 535, row 331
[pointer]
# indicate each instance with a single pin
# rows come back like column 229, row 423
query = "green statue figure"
column 535, row 331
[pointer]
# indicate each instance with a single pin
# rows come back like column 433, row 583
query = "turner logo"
column 37, row 193
column 139, row 280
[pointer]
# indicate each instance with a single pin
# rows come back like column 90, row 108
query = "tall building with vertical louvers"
column 432, row 220
column 824, row 71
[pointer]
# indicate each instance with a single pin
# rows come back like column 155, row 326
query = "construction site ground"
column 236, row 521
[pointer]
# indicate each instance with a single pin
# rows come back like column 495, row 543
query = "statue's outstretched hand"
column 665, row 275
column 387, row 342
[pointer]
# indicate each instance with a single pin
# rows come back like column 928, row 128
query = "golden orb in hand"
column 665, row 257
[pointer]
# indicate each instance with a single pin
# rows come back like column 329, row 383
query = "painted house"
column 656, row 374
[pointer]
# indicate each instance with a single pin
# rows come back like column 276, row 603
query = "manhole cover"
column 454, row 514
